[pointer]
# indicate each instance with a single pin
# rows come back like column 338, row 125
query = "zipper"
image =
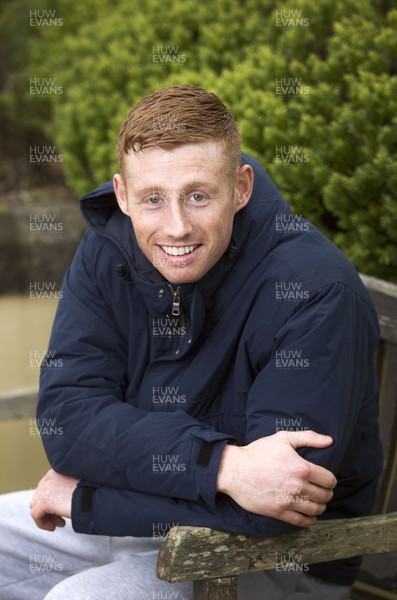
column 177, row 310
column 176, row 301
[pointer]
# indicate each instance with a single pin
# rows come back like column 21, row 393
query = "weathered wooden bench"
column 213, row 560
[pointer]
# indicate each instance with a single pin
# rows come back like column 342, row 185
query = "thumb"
column 298, row 439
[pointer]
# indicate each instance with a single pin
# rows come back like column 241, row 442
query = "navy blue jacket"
column 279, row 334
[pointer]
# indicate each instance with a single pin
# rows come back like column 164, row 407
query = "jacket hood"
column 254, row 227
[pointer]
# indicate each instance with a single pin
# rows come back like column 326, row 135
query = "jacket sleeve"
column 120, row 512
column 320, row 375
column 87, row 428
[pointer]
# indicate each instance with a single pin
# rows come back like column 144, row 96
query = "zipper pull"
column 176, row 302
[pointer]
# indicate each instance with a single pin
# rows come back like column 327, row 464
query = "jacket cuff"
column 83, row 508
column 207, row 459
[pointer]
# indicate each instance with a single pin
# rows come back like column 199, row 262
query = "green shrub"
column 328, row 137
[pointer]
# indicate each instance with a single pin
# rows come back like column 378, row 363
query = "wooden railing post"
column 224, row 588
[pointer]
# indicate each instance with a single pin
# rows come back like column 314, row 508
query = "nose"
column 176, row 222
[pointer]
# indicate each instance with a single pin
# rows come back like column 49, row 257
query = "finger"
column 310, row 509
column 53, row 520
column 37, row 514
column 296, row 518
column 304, row 490
column 303, row 504
column 48, row 522
column 44, row 522
column 321, row 476
column 299, row 439
column 58, row 521
column 41, row 517
column 317, row 493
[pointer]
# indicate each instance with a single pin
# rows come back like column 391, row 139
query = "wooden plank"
column 373, row 284
column 392, row 488
column 384, row 297
column 373, row 591
column 387, row 423
column 198, row 552
column 20, row 403
column 224, row 588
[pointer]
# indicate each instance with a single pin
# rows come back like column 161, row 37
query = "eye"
column 197, row 197
column 153, row 200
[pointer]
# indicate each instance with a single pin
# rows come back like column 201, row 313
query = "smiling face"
column 182, row 203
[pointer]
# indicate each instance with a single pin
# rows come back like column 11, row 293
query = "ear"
column 121, row 193
column 244, row 185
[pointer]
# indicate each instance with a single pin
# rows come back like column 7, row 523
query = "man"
column 216, row 366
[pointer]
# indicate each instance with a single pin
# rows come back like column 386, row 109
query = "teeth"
column 179, row 250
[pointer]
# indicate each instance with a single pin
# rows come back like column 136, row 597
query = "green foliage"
column 328, row 138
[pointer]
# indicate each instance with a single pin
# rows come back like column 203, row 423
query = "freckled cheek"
column 219, row 239
column 144, row 232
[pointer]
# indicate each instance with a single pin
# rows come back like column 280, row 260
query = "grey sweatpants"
column 64, row 565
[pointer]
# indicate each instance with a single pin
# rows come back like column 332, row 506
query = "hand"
column 52, row 500
column 269, row 478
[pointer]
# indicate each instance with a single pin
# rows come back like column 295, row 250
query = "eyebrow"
column 190, row 185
